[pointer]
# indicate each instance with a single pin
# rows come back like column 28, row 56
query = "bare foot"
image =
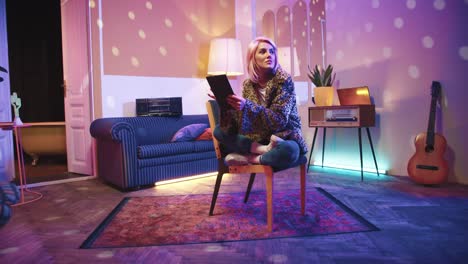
column 274, row 140
column 233, row 159
column 262, row 149
column 253, row 158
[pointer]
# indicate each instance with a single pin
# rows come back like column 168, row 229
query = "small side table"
column 19, row 155
column 351, row 116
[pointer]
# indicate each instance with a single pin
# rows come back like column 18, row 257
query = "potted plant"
column 320, row 77
column 324, row 92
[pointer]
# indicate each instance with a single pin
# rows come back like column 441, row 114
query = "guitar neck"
column 432, row 115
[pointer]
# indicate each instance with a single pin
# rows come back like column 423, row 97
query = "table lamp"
column 225, row 57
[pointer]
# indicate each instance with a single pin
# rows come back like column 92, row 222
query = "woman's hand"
column 236, row 102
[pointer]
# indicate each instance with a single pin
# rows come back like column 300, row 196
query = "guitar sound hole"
column 429, row 149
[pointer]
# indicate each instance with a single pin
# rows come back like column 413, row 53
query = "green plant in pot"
column 323, row 79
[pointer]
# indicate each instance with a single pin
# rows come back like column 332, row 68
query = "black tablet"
column 221, row 89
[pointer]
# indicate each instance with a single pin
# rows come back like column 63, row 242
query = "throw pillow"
column 189, row 133
column 206, row 135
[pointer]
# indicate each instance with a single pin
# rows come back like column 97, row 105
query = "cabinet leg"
column 360, row 153
column 372, row 148
column 312, row 149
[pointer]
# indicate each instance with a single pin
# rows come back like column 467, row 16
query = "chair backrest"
column 212, row 109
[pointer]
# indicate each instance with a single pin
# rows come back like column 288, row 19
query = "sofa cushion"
column 176, row 148
column 176, row 159
column 189, row 133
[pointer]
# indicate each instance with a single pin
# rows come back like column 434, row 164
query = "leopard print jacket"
column 277, row 115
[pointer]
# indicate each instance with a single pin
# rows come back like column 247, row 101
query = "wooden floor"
column 418, row 224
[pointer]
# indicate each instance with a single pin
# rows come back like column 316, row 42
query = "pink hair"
column 252, row 67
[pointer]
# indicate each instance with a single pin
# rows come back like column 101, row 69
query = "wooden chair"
column 253, row 169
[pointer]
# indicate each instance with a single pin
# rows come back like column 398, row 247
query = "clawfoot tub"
column 43, row 139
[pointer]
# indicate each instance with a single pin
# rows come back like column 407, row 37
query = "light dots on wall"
column 427, row 42
column 188, row 38
column 149, row 5
column 99, row 23
column 387, row 52
column 368, row 27
column 463, row 51
column 131, row 15
column 115, row 51
column 193, row 18
column 141, row 34
column 349, row 38
column 367, row 62
column 223, row 3
column 411, row 4
column 330, row 5
column 168, row 22
column 163, row 51
column 135, row 62
column 110, row 101
column 439, row 4
column 92, row 4
column 303, row 34
column 245, row 9
column 330, row 37
column 375, row 3
column 398, row 22
column 413, row 71
column 339, row 55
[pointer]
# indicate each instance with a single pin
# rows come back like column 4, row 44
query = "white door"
column 7, row 161
column 76, row 71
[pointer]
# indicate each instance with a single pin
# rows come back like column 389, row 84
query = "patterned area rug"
column 171, row 220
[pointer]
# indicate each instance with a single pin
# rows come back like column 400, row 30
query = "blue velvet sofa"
column 137, row 151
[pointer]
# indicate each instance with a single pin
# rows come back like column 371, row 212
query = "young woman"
column 264, row 126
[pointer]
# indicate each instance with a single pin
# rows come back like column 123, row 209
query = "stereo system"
column 166, row 106
column 342, row 116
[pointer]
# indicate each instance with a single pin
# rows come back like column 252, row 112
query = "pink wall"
column 398, row 48
column 162, row 38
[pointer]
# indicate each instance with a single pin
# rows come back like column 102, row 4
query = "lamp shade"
column 225, row 57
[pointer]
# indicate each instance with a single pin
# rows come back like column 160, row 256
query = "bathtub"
column 44, row 139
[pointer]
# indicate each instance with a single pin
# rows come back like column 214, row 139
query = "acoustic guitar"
column 427, row 166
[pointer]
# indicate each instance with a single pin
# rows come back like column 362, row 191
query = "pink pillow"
column 206, row 135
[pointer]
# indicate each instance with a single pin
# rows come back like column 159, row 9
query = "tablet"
column 221, row 89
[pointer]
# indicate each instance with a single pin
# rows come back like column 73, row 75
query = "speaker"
column 166, row 106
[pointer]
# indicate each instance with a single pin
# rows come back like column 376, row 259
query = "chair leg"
column 215, row 192
column 249, row 187
column 303, row 188
column 269, row 190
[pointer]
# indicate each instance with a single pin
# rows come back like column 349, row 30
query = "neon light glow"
column 188, row 178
